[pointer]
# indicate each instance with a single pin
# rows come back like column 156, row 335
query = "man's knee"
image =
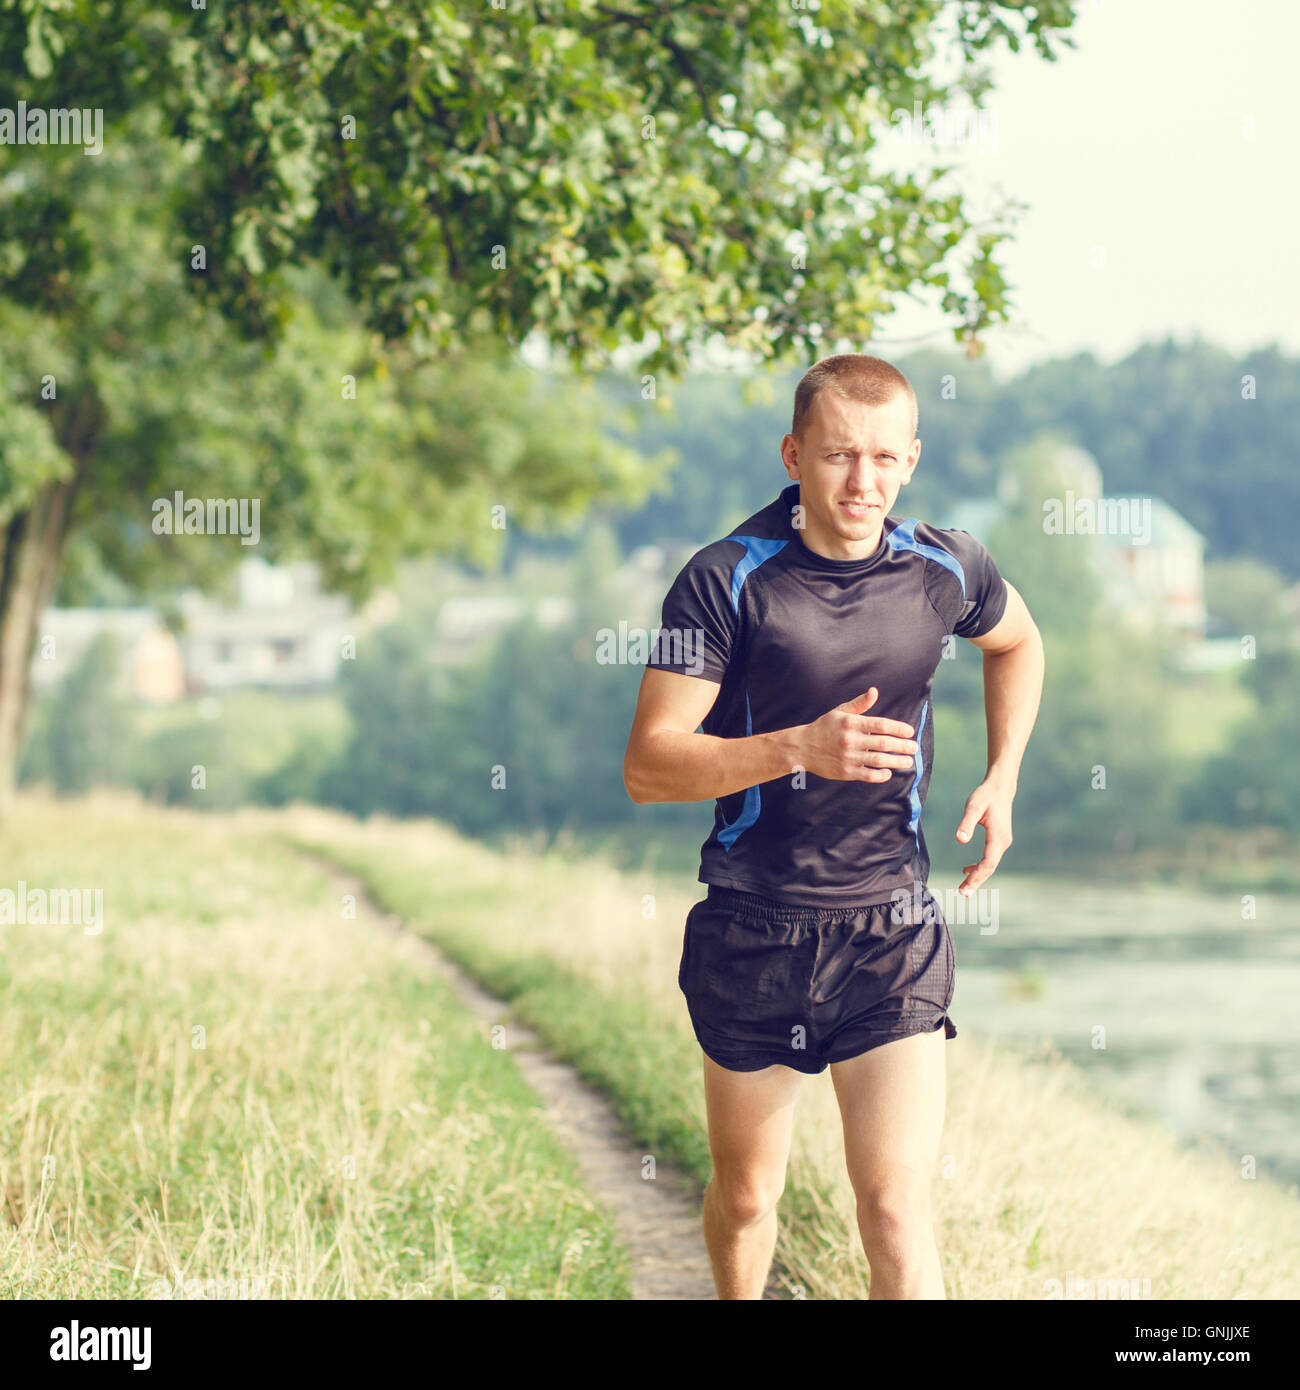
column 895, row 1214
column 743, row 1200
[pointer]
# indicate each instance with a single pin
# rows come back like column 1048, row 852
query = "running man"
column 805, row 645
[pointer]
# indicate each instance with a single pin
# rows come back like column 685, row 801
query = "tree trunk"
column 31, row 550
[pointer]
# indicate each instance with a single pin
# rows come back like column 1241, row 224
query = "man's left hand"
column 988, row 805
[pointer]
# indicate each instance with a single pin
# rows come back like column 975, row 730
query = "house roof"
column 1168, row 527
column 979, row 515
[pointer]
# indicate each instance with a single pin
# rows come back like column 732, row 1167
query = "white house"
column 283, row 632
column 1149, row 559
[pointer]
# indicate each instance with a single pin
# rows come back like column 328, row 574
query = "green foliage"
column 1246, row 593
column 302, row 772
column 165, row 768
column 29, row 454
column 83, row 730
column 225, row 137
column 1256, row 782
column 390, row 762
column 155, row 395
column 587, row 172
column 536, row 710
column 253, row 746
column 1101, row 771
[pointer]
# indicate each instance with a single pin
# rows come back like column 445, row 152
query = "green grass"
column 331, row 1048
column 345, row 1129
column 613, row 1038
column 1040, row 1174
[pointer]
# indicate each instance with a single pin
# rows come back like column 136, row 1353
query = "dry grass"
column 1040, row 1179
column 343, row 1131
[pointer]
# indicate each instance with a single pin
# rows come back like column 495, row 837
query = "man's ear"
column 790, row 456
column 913, row 461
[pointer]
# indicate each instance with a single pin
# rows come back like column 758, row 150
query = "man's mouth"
column 859, row 508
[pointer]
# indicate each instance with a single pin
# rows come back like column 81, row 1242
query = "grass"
column 330, row 1049
column 236, row 1086
column 1040, row 1178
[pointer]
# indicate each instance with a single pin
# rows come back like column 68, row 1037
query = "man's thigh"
column 751, row 1120
column 891, row 1103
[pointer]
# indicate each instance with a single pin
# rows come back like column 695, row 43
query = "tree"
column 86, row 735
column 1245, row 594
column 1211, row 433
column 357, row 452
column 589, row 174
column 596, row 172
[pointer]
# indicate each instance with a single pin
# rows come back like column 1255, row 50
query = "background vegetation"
column 1189, row 754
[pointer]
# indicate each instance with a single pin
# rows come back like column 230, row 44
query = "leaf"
column 36, row 55
column 248, row 249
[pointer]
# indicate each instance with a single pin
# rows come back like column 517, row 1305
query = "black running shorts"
column 770, row 983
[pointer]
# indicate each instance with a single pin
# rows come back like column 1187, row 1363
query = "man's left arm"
column 1013, row 685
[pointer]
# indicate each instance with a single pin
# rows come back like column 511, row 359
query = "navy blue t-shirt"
column 789, row 634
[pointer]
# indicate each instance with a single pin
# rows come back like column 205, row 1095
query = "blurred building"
column 151, row 665
column 1289, row 604
column 1149, row 559
column 466, row 622
column 282, row 631
column 1163, row 581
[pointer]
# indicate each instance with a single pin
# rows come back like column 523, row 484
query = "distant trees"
column 1215, row 436
column 86, row 731
column 527, row 735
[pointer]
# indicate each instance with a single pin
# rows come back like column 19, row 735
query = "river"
column 1197, row 998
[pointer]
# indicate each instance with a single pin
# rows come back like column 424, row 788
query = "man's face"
column 850, row 463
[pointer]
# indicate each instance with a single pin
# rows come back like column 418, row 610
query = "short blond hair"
column 853, row 376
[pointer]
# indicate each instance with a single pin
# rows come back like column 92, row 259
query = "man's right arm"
column 667, row 760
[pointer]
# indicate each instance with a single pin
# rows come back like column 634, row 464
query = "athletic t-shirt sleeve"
column 986, row 590
column 698, row 621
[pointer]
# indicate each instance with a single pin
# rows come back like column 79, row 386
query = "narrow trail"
column 658, row 1220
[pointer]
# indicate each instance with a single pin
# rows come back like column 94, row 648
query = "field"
column 234, row 1086
column 331, row 1049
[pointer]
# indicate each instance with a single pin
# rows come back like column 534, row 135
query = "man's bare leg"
column 891, row 1103
column 751, row 1118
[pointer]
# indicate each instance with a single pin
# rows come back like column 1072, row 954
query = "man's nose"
column 862, row 475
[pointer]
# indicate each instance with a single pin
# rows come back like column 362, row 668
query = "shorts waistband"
column 754, row 905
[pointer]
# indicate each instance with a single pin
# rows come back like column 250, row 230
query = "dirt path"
column 658, row 1220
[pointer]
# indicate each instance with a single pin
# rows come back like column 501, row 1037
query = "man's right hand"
column 848, row 745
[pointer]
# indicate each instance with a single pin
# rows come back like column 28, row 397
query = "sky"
column 1160, row 160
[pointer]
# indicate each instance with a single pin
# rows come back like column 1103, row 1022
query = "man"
column 805, row 645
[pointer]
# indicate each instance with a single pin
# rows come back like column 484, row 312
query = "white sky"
column 1137, row 142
